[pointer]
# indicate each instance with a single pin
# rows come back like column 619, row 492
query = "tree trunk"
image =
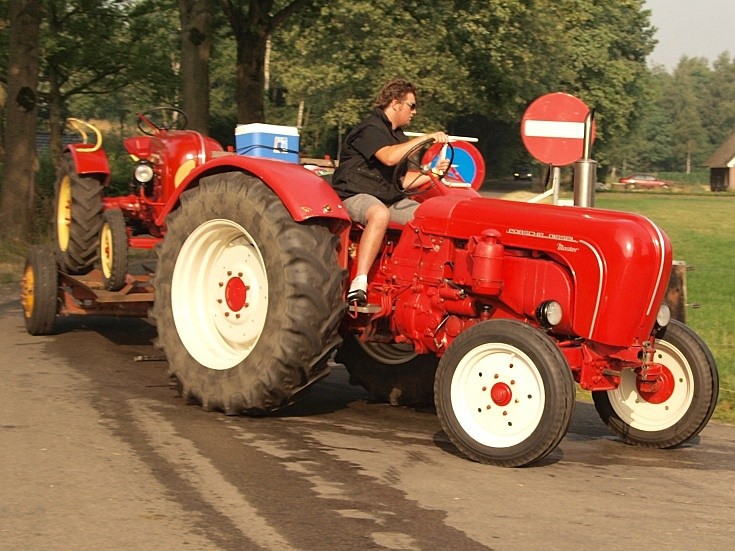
column 196, row 47
column 251, row 46
column 19, row 166
column 251, row 32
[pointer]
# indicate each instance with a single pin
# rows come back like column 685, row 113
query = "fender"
column 304, row 194
column 88, row 161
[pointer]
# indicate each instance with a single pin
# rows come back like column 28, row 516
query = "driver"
column 365, row 175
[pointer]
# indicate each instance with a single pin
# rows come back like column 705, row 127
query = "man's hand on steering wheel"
column 419, row 178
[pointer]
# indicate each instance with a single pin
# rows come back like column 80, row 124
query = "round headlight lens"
column 549, row 313
column 143, row 173
column 664, row 315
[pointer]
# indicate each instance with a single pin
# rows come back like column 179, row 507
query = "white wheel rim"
column 219, row 294
column 106, row 252
column 497, row 395
column 634, row 410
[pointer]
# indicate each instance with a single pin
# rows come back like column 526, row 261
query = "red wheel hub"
column 660, row 390
column 236, row 294
column 501, row 394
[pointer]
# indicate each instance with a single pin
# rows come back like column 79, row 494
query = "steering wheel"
column 412, row 162
column 153, row 121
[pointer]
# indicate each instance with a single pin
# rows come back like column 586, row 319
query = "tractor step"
column 367, row 309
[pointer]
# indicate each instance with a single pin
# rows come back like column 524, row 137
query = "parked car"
column 646, row 181
column 522, row 173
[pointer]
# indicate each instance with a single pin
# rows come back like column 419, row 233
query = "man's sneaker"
column 357, row 297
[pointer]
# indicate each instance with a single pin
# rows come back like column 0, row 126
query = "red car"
column 647, row 181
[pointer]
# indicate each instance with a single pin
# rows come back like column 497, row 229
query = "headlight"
column 549, row 313
column 664, row 315
column 143, row 173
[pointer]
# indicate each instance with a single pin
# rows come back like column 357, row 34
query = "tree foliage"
column 477, row 63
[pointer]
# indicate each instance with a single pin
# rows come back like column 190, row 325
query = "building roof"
column 724, row 156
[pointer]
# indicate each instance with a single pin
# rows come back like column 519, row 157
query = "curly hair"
column 397, row 89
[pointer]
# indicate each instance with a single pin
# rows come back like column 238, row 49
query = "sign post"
column 557, row 129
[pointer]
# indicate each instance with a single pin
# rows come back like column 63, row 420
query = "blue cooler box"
column 268, row 140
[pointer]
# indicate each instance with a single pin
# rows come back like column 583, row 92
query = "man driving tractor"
column 365, row 175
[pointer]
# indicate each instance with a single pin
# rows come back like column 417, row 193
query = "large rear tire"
column 504, row 393
column 78, row 218
column 682, row 404
column 389, row 372
column 248, row 301
column 39, row 291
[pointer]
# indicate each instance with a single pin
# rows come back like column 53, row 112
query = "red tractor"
column 492, row 309
column 90, row 226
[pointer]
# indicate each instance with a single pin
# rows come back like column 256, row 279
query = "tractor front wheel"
column 248, row 301
column 677, row 407
column 113, row 250
column 504, row 393
column 39, row 291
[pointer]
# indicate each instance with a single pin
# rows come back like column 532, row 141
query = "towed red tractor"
column 492, row 309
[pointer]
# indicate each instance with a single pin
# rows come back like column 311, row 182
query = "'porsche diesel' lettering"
column 541, row 235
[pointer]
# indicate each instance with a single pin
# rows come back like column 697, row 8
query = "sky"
column 695, row 28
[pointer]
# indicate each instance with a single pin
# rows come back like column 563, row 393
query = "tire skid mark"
column 196, row 469
column 389, row 523
column 309, row 471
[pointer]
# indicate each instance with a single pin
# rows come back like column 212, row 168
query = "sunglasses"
column 411, row 106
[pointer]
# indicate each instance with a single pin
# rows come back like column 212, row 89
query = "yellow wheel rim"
column 106, row 252
column 27, row 294
column 63, row 213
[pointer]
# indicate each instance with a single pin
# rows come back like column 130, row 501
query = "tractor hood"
column 620, row 262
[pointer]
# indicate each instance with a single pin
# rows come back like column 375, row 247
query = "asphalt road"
column 97, row 451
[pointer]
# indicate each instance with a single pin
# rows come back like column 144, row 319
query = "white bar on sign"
column 451, row 138
column 554, row 129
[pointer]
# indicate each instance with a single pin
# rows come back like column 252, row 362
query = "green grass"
column 702, row 232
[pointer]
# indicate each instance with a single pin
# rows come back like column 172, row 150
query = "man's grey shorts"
column 358, row 205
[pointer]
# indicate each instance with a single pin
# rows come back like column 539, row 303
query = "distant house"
column 722, row 166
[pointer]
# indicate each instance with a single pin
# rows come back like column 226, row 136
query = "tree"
column 718, row 116
column 18, row 184
column 252, row 29
column 477, row 62
column 97, row 68
column 196, row 46
column 689, row 84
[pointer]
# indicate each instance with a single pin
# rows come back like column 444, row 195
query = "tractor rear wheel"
column 248, row 301
column 504, row 393
column 39, row 291
column 682, row 402
column 78, row 218
column 113, row 251
column 390, row 372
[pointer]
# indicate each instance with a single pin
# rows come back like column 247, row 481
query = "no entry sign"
column 553, row 128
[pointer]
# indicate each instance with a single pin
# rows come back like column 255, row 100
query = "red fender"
column 304, row 194
column 88, row 162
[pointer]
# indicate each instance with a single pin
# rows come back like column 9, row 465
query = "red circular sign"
column 553, row 128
